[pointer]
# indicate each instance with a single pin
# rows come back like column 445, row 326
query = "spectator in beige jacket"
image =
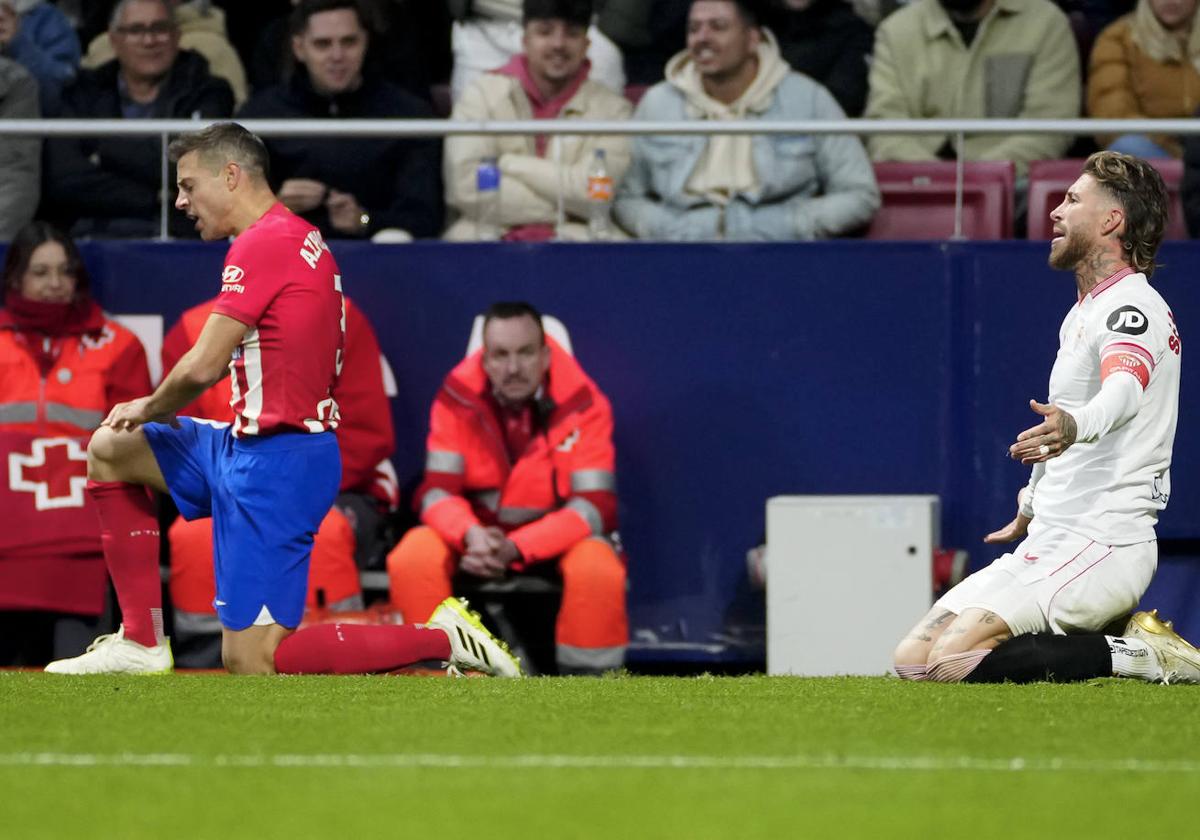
column 1144, row 65
column 487, row 34
column 1005, row 59
column 549, row 80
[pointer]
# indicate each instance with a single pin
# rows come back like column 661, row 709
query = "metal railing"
column 960, row 128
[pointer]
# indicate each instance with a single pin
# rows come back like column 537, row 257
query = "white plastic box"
column 847, row 577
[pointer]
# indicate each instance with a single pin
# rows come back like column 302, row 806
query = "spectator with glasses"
column 201, row 29
column 109, row 186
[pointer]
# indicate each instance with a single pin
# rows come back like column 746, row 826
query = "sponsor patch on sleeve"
column 1128, row 320
column 231, row 279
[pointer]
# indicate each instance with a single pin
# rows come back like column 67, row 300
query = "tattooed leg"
column 960, row 649
column 913, row 651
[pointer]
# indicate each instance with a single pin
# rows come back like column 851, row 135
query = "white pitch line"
column 401, row 761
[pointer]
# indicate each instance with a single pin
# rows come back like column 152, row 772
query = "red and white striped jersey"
column 1111, row 489
column 281, row 281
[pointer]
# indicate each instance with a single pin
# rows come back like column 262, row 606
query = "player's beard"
column 1070, row 252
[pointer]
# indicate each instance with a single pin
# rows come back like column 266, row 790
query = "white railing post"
column 164, row 190
column 959, row 175
column 560, row 215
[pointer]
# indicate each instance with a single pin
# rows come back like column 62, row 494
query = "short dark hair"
column 305, row 9
column 27, row 240
column 1140, row 190
column 222, row 142
column 748, row 10
column 578, row 12
column 506, row 309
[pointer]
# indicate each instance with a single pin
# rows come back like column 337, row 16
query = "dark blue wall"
column 738, row 372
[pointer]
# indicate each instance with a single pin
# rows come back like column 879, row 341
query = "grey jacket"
column 20, row 157
column 813, row 187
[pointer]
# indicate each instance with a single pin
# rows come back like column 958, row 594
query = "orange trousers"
column 591, row 622
column 331, row 570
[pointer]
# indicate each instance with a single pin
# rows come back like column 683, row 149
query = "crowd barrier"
column 740, row 372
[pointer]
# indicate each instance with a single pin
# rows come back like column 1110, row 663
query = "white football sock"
column 1133, row 658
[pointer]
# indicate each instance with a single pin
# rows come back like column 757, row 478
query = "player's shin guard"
column 129, row 537
column 359, row 648
column 1043, row 657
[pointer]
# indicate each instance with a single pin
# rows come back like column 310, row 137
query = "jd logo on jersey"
column 1128, row 320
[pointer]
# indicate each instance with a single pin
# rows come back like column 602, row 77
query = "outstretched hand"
column 1048, row 439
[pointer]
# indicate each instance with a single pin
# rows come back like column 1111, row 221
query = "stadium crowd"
column 485, row 60
column 597, row 60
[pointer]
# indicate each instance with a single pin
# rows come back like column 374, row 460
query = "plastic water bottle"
column 600, row 198
column 487, row 212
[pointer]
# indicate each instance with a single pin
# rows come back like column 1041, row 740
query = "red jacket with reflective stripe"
column 559, row 491
column 364, row 436
column 87, row 375
column 53, row 393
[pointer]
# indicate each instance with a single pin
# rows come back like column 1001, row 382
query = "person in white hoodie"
column 764, row 187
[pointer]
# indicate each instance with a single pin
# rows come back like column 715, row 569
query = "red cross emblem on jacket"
column 55, row 471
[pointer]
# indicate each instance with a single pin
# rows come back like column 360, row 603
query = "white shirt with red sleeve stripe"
column 281, row 281
column 1111, row 488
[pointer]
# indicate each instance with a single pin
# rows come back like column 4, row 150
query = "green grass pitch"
column 628, row 757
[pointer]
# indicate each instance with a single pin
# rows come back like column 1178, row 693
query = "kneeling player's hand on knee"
column 127, row 416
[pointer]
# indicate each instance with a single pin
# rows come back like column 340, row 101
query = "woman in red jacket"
column 63, row 365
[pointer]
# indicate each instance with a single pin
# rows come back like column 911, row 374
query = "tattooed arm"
column 1056, row 433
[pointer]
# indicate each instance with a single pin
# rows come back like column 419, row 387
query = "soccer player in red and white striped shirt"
column 267, row 479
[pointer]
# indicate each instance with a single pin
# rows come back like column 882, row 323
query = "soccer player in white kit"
column 1101, row 471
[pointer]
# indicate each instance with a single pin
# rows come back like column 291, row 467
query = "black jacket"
column 1191, row 183
column 111, row 186
column 830, row 43
column 397, row 180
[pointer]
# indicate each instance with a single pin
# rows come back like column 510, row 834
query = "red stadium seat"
column 918, row 200
column 1049, row 179
column 634, row 93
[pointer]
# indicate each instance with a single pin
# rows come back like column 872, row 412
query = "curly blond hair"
column 1139, row 189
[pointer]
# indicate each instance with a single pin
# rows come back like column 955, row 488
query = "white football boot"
column 472, row 646
column 114, row 654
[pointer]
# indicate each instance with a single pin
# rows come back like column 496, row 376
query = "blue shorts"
column 266, row 496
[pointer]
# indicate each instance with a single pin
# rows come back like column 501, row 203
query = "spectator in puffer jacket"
column 1144, row 66
column 39, row 37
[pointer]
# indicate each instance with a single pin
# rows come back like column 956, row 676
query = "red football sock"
column 359, row 648
column 129, row 537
